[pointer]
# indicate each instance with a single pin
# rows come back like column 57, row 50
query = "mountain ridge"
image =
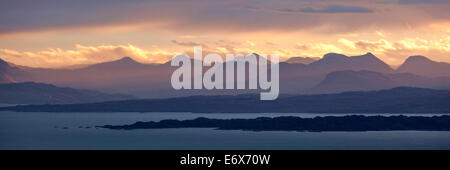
column 335, row 62
column 40, row 93
column 128, row 76
column 422, row 65
column 301, row 60
column 396, row 100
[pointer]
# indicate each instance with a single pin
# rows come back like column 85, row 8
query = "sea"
column 68, row 131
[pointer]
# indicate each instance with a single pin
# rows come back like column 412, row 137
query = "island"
column 292, row 123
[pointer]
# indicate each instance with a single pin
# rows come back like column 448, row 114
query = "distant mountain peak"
column 3, row 62
column 334, row 62
column 416, row 62
column 125, row 62
column 418, row 58
column 6, row 70
column 369, row 57
column 423, row 66
column 334, row 56
column 368, row 54
column 127, row 59
column 301, row 60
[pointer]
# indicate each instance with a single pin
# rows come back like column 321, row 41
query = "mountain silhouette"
column 123, row 63
column 3, row 63
column 40, row 93
column 421, row 65
column 341, row 81
column 335, row 62
column 9, row 72
column 396, row 100
column 128, row 76
column 4, row 77
column 302, row 60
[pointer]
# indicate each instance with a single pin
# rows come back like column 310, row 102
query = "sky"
column 56, row 33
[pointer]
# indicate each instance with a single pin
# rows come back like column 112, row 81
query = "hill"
column 396, row 100
column 39, row 93
column 333, row 73
column 302, row 60
column 423, row 66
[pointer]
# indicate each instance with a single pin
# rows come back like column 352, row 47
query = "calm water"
column 77, row 131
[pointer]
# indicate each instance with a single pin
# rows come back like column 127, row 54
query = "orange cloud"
column 56, row 57
column 395, row 51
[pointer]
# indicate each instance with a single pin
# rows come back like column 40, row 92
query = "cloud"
column 56, row 57
column 333, row 9
column 404, row 44
column 395, row 52
column 199, row 16
column 52, row 14
column 337, row 9
column 347, row 43
column 250, row 43
column 189, row 44
column 224, row 26
column 317, row 49
column 374, row 46
column 423, row 1
column 391, row 51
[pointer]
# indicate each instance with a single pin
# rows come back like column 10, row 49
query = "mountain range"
column 423, row 66
column 333, row 73
column 39, row 93
column 396, row 100
column 347, row 80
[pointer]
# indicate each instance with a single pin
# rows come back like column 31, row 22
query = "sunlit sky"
column 55, row 33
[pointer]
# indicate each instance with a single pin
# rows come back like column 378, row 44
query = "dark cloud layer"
column 423, row 1
column 209, row 15
column 337, row 9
